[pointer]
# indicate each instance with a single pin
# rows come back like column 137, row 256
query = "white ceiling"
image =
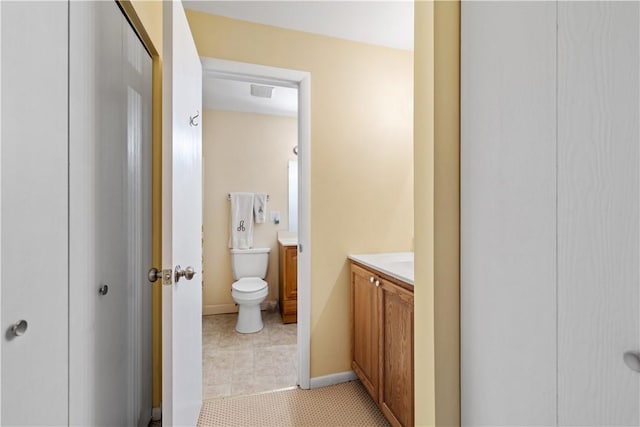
column 232, row 95
column 386, row 23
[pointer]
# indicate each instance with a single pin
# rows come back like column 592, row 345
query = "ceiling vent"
column 262, row 91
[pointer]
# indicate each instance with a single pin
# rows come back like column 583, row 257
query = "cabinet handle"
column 377, row 283
column 371, row 279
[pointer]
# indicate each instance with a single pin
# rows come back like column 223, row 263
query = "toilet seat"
column 249, row 285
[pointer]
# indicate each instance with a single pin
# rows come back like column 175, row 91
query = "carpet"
column 346, row 404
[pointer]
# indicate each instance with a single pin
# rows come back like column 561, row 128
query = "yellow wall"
column 242, row 152
column 361, row 156
column 436, row 189
column 437, row 203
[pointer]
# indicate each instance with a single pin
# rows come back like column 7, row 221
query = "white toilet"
column 249, row 290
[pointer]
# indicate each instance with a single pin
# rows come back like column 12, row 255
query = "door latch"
column 155, row 274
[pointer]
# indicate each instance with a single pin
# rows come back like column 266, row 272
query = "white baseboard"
column 219, row 309
column 333, row 379
column 156, row 413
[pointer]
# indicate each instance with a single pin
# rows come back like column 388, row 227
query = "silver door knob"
column 371, row 279
column 632, row 360
column 377, row 283
column 154, row 274
column 19, row 328
column 187, row 273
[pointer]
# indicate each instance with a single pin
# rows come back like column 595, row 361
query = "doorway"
column 285, row 231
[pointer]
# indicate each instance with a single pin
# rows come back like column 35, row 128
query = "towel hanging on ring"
column 241, row 233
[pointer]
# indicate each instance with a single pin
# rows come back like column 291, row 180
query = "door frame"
column 301, row 80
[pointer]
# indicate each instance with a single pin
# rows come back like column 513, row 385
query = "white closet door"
column 598, row 215
column 109, row 98
column 508, row 145
column 137, row 79
column 34, row 212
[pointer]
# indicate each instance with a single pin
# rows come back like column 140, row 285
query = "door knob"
column 187, row 273
column 632, row 360
column 154, row 274
column 19, row 328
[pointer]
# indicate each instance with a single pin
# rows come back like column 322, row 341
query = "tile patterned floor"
column 235, row 364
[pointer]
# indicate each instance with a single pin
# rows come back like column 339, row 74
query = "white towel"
column 241, row 236
column 260, row 207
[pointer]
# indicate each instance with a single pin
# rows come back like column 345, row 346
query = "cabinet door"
column 365, row 348
column 396, row 353
column 291, row 273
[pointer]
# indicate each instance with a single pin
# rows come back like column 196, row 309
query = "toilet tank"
column 249, row 262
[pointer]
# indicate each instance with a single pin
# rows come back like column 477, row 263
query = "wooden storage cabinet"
column 288, row 283
column 382, row 342
column 396, row 353
column 365, row 347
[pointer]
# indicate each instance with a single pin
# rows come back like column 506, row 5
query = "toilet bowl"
column 249, row 293
column 249, row 290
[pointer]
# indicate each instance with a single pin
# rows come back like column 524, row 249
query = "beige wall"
column 437, row 213
column 242, row 152
column 217, row 37
column 361, row 156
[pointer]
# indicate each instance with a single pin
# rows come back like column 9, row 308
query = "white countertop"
column 288, row 238
column 288, row 241
column 398, row 265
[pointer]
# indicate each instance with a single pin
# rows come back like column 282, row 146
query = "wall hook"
column 192, row 120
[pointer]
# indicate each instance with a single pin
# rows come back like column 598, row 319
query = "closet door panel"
column 137, row 79
column 99, row 324
column 508, row 235
column 34, row 212
column 598, row 197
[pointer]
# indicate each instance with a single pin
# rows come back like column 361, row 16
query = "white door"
column 508, row 234
column 550, row 213
column 181, row 221
column 110, row 218
column 34, row 52
column 598, row 218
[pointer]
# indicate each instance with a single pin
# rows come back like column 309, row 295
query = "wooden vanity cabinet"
column 365, row 347
column 382, row 342
column 288, row 283
column 396, row 353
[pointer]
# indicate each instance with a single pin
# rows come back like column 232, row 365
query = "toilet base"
column 249, row 319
